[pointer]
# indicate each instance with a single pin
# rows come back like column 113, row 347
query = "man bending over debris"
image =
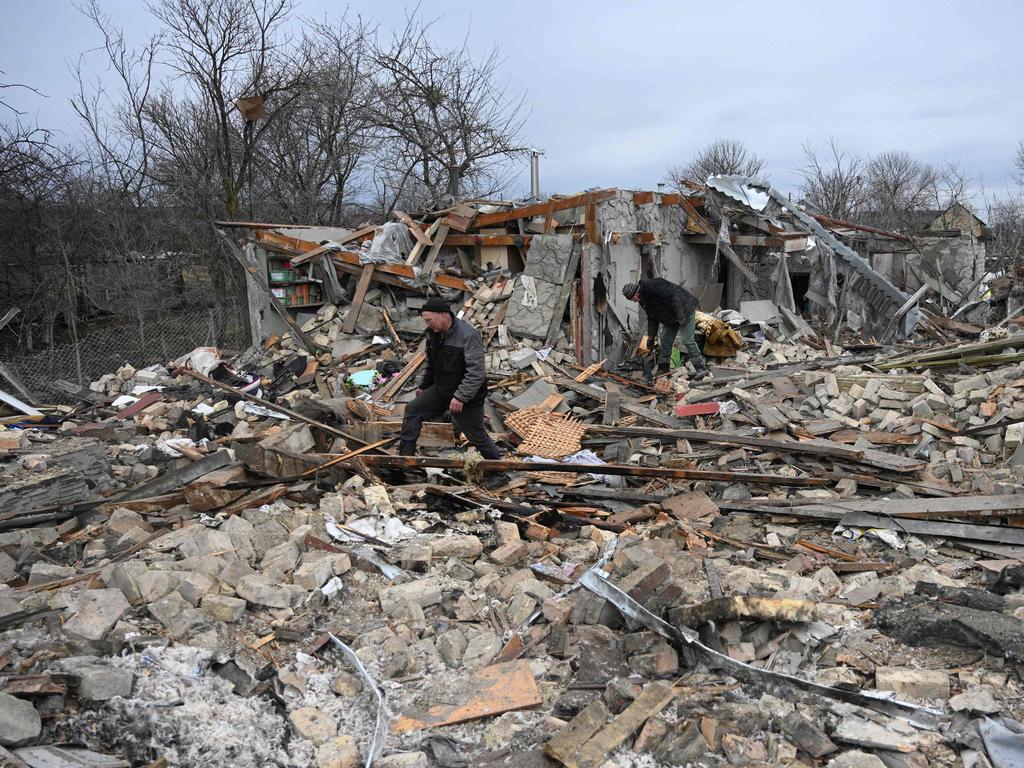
column 455, row 380
column 673, row 306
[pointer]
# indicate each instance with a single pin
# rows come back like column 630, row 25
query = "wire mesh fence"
column 150, row 339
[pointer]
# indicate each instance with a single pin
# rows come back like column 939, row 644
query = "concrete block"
column 970, row 383
column 922, row 683
column 224, row 608
column 424, row 593
column 481, row 650
column 19, row 721
column 101, row 609
column 313, row 724
column 462, row 546
column 1014, row 436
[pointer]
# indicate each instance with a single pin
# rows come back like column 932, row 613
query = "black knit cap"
column 437, row 304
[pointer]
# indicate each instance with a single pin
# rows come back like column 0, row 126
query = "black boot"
column 664, row 366
column 701, row 373
column 406, row 449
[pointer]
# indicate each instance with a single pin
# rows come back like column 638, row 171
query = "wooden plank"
column 645, row 238
column 565, row 745
column 654, row 698
column 672, row 198
column 873, row 436
column 357, row 301
column 139, row 405
column 643, row 198
column 591, row 223
column 414, row 228
column 611, row 409
column 440, row 239
column 950, row 506
column 993, row 534
column 813, row 448
column 271, row 406
column 419, row 247
column 587, row 309
column 600, row 493
column 488, row 691
column 460, row 218
column 540, row 209
column 394, row 386
column 15, row 404
column 175, row 479
column 209, row 492
column 359, row 234
column 710, row 231
column 488, row 240
column 565, row 292
column 625, row 470
column 350, row 262
column 8, row 316
column 746, row 240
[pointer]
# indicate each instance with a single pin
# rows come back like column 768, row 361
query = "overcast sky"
column 621, row 90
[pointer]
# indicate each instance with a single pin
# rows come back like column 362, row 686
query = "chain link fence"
column 155, row 338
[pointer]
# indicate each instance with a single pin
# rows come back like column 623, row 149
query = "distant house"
column 957, row 220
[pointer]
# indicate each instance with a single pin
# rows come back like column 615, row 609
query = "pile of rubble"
column 812, row 558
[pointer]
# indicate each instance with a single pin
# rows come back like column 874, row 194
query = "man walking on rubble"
column 455, row 380
column 673, row 307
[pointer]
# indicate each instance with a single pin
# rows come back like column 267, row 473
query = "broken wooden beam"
column 587, row 742
column 994, row 534
column 521, row 241
column 726, row 248
column 271, row 406
column 541, row 209
column 502, row 465
column 724, row 438
column 352, row 316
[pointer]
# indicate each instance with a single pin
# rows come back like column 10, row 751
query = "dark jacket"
column 665, row 302
column 455, row 363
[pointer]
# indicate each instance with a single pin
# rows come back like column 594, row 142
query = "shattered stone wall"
column 621, row 262
column 961, row 261
column 539, row 288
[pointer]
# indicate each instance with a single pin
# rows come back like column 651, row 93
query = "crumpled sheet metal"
column 689, row 642
column 1005, row 746
column 742, row 189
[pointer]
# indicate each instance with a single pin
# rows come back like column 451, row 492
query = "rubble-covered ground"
column 189, row 581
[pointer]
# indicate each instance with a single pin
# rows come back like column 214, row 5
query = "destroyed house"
column 566, row 259
column 943, row 249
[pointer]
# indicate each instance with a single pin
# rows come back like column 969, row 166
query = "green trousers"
column 685, row 334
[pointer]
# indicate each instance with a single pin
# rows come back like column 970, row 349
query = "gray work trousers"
column 432, row 404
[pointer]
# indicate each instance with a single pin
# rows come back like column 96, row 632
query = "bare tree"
column 724, row 156
column 37, row 177
column 897, row 186
column 450, row 126
column 833, row 183
column 120, row 145
column 1018, row 162
column 7, row 86
column 310, row 158
column 223, row 50
column 1006, row 222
